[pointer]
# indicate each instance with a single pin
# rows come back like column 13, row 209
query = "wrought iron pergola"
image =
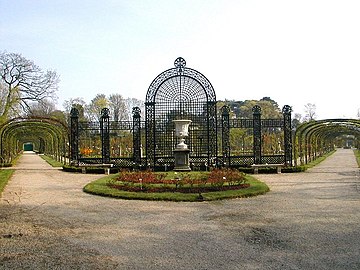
column 180, row 93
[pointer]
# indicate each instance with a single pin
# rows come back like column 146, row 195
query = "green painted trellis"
column 314, row 138
column 48, row 135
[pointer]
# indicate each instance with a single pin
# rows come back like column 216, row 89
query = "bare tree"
column 310, row 112
column 73, row 102
column 77, row 103
column 118, row 107
column 24, row 83
column 93, row 110
column 45, row 108
column 296, row 120
column 133, row 102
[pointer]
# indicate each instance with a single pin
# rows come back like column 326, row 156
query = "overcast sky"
column 295, row 52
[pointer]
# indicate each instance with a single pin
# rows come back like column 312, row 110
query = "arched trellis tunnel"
column 314, row 138
column 46, row 135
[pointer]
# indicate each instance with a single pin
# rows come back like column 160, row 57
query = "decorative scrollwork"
column 74, row 112
column 287, row 109
column 171, row 79
column 179, row 64
column 256, row 109
column 136, row 111
column 105, row 113
column 225, row 110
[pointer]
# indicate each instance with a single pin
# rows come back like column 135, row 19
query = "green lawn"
column 4, row 178
column 100, row 187
column 51, row 161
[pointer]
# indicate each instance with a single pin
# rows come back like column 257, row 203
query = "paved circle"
column 307, row 220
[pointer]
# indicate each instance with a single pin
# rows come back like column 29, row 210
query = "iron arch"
column 180, row 93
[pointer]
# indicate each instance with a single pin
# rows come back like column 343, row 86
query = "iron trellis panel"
column 114, row 125
column 241, row 161
column 150, row 133
column 74, row 135
column 105, row 135
column 122, row 125
column 199, row 163
column 225, row 134
column 83, row 161
column 272, row 123
column 273, row 159
column 287, row 135
column 203, row 81
column 89, row 125
column 203, row 148
column 136, row 135
column 241, row 123
column 164, row 162
column 212, row 130
column 257, row 133
column 122, row 162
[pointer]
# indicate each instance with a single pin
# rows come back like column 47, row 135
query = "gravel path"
column 307, row 221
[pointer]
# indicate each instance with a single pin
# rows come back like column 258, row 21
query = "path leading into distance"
column 307, row 221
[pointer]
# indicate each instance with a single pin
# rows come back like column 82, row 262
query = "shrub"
column 218, row 177
column 145, row 177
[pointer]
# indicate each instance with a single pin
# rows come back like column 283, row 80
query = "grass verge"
column 318, row 160
column 100, row 187
column 357, row 155
column 51, row 161
column 4, row 178
column 13, row 162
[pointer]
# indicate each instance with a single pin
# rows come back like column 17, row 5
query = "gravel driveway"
column 307, row 221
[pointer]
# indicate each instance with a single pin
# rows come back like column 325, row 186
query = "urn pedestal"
column 181, row 151
column 182, row 160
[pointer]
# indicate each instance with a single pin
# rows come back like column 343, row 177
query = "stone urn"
column 181, row 151
column 181, row 131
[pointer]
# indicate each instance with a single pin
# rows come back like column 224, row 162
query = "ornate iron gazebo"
column 180, row 93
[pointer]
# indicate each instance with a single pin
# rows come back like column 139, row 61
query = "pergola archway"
column 180, row 93
column 316, row 137
column 48, row 135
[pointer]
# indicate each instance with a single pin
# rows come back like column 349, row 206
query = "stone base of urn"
column 182, row 160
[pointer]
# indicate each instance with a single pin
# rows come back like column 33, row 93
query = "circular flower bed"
column 148, row 181
column 177, row 187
